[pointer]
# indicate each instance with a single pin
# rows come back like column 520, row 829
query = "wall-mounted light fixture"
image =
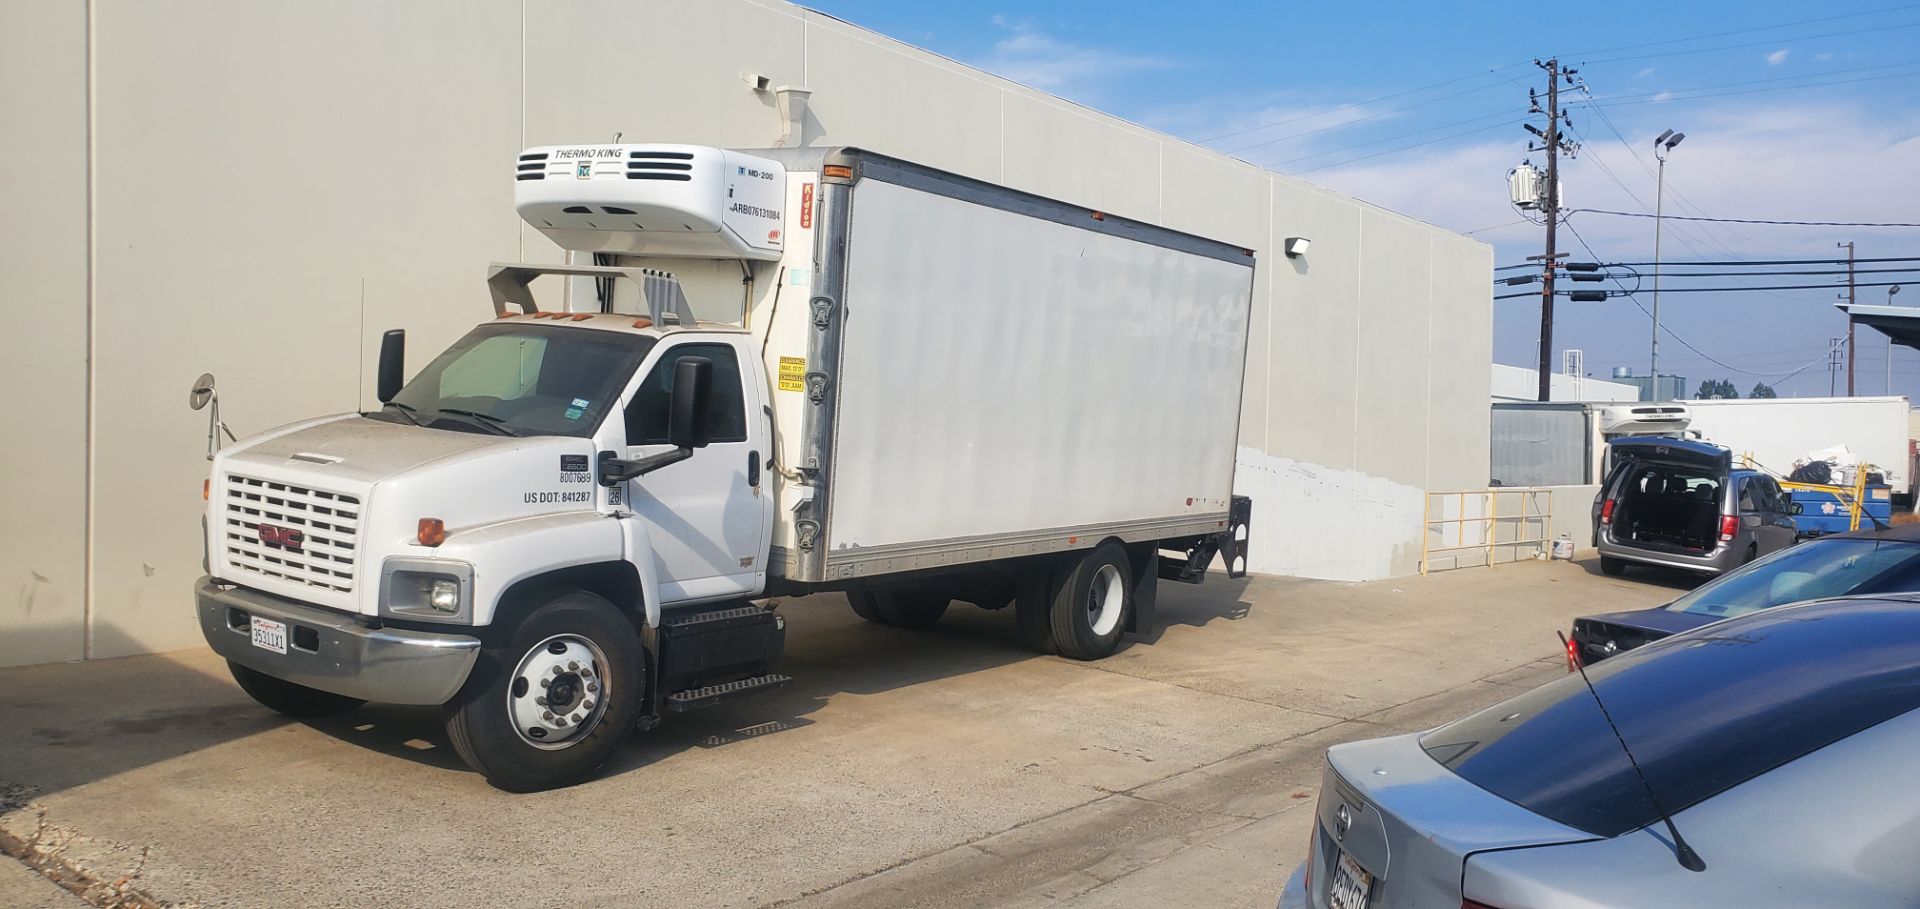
column 1297, row 247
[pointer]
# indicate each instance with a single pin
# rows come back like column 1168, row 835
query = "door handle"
column 753, row 469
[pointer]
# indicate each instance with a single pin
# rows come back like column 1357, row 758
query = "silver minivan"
column 1681, row 503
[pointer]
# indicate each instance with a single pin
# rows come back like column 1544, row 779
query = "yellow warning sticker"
column 793, row 374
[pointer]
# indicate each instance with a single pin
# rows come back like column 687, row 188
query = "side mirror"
column 1795, row 508
column 687, row 413
column 201, row 392
column 393, row 364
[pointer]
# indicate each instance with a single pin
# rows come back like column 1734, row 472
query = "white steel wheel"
column 555, row 696
column 1106, row 600
column 1091, row 597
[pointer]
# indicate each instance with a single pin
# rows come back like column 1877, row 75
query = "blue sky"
column 1791, row 111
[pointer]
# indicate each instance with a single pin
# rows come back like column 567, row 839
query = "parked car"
column 1681, row 503
column 1779, row 745
column 1867, row 561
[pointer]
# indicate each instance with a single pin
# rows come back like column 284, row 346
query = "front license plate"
column 270, row 635
column 1351, row 884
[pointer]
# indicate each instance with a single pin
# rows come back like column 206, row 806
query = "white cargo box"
column 688, row 201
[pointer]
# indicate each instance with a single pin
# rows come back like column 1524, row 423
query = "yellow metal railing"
column 1489, row 521
column 1854, row 497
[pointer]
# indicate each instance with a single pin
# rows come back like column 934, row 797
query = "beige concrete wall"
column 43, row 353
column 278, row 182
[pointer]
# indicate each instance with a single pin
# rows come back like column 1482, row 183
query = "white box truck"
column 1776, row 432
column 785, row 371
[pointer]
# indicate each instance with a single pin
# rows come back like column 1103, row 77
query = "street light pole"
column 1661, row 145
column 1890, row 292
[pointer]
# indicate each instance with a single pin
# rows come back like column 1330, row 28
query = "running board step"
column 696, row 698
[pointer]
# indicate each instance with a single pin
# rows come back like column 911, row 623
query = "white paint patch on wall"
column 1324, row 522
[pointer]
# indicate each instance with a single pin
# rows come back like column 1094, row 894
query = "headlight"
column 444, row 594
column 434, row 590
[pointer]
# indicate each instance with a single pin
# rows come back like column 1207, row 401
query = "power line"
column 1664, row 97
column 1679, row 93
column 1417, row 132
column 1744, row 31
column 1638, row 214
column 1739, row 289
column 1390, row 151
column 1389, row 97
column 1769, row 41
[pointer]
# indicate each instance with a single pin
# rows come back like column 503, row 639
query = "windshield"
column 522, row 380
column 1809, row 571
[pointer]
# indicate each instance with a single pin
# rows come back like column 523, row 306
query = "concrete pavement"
column 940, row 768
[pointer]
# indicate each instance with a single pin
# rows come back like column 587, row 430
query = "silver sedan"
column 1776, row 759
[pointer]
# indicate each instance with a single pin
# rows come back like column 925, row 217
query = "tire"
column 864, row 606
column 1612, row 566
column 1091, row 598
column 287, row 698
column 909, row 607
column 501, row 724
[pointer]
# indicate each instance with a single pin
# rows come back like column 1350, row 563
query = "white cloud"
column 1662, row 96
column 1778, row 57
column 1644, row 73
column 1267, row 129
column 1823, row 57
column 1031, row 57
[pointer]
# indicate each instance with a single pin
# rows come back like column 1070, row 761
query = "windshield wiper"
column 492, row 423
column 405, row 410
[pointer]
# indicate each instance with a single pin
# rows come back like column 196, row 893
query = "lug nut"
column 593, row 686
column 545, row 682
column 541, row 701
column 577, row 718
column 546, row 714
column 573, row 665
column 557, row 670
column 559, row 721
column 587, row 672
column 586, row 705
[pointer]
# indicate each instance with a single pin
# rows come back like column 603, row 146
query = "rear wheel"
column 1091, row 598
column 282, row 696
column 1613, row 566
column 549, row 705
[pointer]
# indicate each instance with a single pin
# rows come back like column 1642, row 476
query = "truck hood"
column 356, row 449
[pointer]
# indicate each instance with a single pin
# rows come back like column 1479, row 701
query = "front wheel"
column 284, row 697
column 550, row 705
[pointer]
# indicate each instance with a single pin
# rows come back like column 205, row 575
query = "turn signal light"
column 1728, row 524
column 433, row 532
column 206, row 490
column 1573, row 655
column 1606, row 512
column 837, row 170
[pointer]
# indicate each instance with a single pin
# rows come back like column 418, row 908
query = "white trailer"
column 1565, row 443
column 785, row 371
column 1775, row 432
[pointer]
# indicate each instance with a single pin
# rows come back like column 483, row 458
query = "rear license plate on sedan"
column 1351, row 884
column 269, row 634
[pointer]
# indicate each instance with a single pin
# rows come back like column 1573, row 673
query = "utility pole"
column 1833, row 363
column 1849, row 246
column 1553, row 144
column 1662, row 146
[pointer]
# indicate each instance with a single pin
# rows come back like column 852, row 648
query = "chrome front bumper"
column 388, row 665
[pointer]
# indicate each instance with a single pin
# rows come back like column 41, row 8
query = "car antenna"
column 1689, row 859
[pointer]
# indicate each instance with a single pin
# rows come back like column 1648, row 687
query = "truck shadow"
column 830, row 653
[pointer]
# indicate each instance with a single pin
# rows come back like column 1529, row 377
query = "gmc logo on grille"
column 282, row 537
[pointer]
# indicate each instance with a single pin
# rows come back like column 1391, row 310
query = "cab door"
column 706, row 518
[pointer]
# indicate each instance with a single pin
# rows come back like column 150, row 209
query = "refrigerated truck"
column 766, row 373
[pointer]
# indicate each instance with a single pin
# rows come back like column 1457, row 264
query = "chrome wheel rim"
column 557, row 693
column 1106, row 598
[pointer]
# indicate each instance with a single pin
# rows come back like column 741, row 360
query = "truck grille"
column 309, row 537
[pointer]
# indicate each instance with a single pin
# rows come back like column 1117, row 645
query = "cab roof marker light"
column 432, row 532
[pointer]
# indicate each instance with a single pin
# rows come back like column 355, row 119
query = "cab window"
column 726, row 407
